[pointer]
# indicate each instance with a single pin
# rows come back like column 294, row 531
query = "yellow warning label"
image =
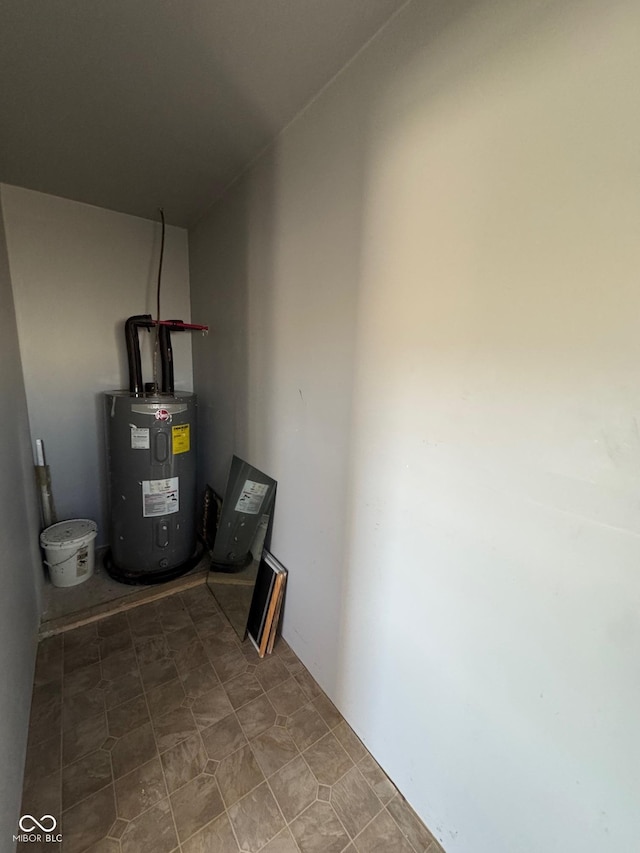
column 180, row 438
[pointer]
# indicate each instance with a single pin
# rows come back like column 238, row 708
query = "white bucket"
column 69, row 550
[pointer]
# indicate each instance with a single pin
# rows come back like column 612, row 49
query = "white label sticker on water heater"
column 160, row 497
column 251, row 497
column 139, row 438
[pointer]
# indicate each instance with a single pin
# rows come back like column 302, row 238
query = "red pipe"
column 177, row 325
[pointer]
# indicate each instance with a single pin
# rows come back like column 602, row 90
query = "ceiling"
column 136, row 104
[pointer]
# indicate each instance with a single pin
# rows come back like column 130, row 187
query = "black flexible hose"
column 156, row 346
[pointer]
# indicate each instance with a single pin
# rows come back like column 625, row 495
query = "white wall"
column 19, row 565
column 78, row 272
column 425, row 301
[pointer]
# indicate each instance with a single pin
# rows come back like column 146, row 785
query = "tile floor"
column 157, row 730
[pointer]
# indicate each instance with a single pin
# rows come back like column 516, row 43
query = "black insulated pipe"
column 131, row 327
column 146, row 321
column 166, row 352
column 166, row 360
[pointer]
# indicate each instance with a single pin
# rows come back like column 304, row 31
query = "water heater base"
column 147, row 578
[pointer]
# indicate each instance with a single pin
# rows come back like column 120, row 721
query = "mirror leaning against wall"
column 235, row 528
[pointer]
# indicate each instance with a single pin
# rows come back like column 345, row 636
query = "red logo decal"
column 162, row 415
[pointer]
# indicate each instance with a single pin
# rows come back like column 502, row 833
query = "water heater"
column 151, row 464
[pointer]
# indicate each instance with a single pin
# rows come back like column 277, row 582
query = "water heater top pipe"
column 145, row 321
column 131, row 327
column 179, row 326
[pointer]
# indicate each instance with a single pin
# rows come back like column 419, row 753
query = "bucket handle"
column 66, row 559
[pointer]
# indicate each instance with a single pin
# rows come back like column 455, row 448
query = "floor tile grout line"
column 61, row 746
column 377, row 814
column 198, row 733
column 225, row 812
column 402, row 832
column 330, row 804
column 208, row 823
column 340, row 821
column 88, row 848
column 318, row 783
column 255, row 787
column 62, row 687
column 288, row 828
column 233, row 829
column 180, row 787
column 354, row 764
column 155, row 743
column 271, row 791
column 324, row 734
column 244, row 704
column 343, row 749
column 84, row 799
column 201, row 773
column 139, row 815
column 113, row 775
column 300, row 752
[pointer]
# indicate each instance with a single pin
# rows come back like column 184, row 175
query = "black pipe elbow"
column 131, row 327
